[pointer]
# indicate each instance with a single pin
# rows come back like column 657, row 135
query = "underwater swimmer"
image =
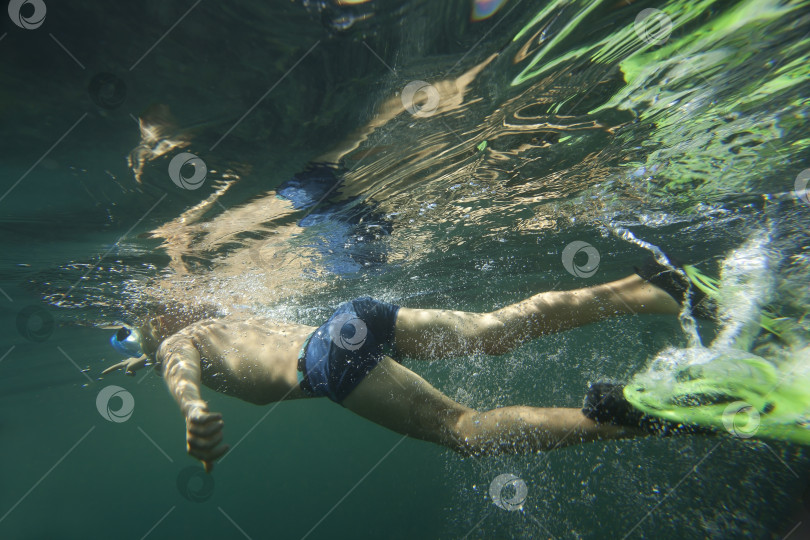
column 354, row 359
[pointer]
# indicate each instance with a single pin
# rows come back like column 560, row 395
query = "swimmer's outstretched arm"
column 181, row 371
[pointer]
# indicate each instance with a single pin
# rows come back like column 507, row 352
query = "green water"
column 556, row 123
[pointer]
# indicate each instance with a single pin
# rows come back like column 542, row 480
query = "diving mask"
column 127, row 341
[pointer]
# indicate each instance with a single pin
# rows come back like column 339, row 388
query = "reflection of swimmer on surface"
column 256, row 235
column 354, row 359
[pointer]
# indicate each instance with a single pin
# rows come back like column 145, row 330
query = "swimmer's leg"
column 435, row 333
column 397, row 398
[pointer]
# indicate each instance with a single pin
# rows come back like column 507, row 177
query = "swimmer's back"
column 254, row 359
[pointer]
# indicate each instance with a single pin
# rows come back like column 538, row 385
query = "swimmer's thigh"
column 395, row 397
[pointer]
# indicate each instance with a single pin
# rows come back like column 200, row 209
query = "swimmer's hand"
column 130, row 365
column 204, row 434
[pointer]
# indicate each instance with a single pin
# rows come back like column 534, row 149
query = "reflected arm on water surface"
column 451, row 94
column 258, row 236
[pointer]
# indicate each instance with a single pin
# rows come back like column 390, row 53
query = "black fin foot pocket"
column 605, row 404
column 677, row 285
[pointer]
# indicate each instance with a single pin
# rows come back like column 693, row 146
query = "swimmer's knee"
column 464, row 435
column 490, row 331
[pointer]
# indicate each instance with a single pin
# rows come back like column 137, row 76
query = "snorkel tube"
column 127, row 341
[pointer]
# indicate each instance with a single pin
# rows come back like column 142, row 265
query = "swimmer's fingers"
column 203, row 424
column 119, row 365
column 204, row 444
column 206, row 430
column 130, row 365
column 199, row 415
column 207, row 457
column 134, row 364
column 137, row 363
column 204, row 435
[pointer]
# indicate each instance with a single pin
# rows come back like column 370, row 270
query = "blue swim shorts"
column 341, row 352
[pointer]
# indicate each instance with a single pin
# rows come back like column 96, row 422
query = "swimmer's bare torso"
column 253, row 359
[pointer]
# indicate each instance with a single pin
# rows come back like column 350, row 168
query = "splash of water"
column 748, row 286
column 719, row 384
column 685, row 317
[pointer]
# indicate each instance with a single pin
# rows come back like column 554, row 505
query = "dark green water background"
column 691, row 144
